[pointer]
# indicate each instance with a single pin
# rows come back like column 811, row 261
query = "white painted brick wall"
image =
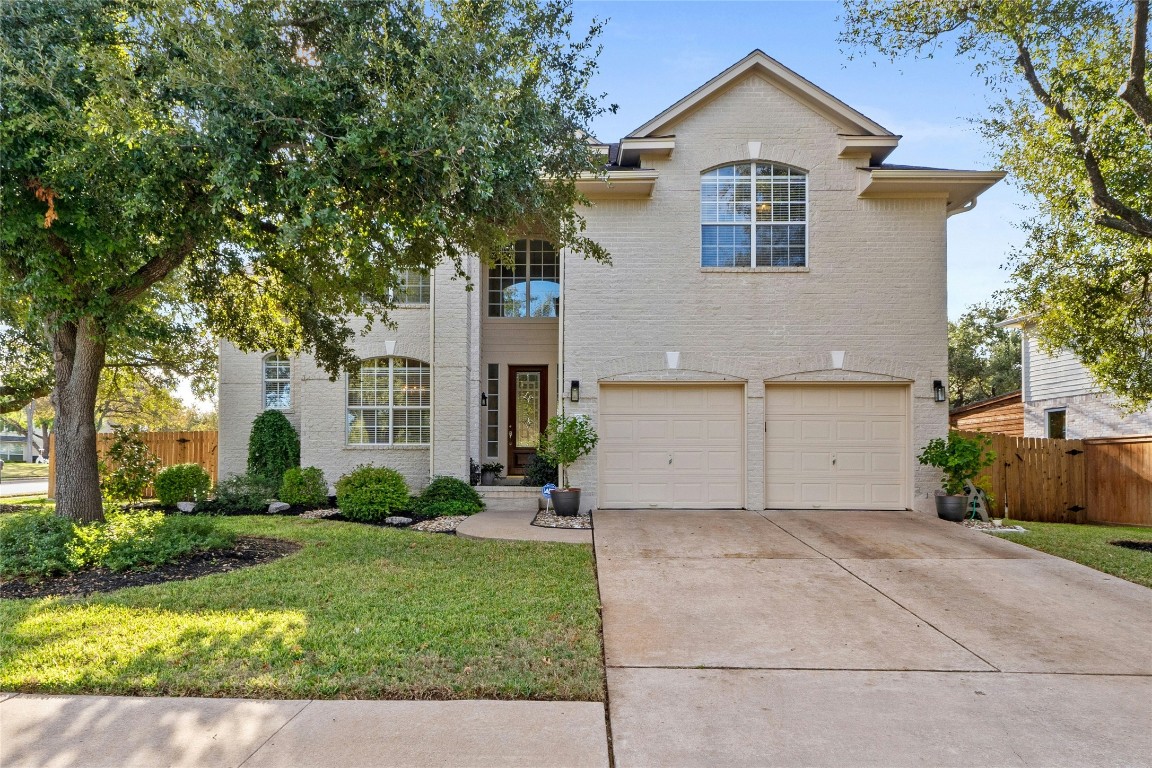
column 1089, row 415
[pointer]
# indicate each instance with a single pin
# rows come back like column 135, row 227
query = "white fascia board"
column 618, row 185
column 632, row 149
column 959, row 188
column 875, row 148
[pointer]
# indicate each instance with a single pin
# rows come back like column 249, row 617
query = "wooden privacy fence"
column 170, row 447
column 1107, row 480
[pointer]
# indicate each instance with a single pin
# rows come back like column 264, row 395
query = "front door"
column 526, row 416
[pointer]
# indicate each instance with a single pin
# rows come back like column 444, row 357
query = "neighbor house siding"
column 1088, row 415
column 1056, row 375
column 875, row 286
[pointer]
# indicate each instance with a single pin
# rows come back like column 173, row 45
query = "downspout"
column 432, row 372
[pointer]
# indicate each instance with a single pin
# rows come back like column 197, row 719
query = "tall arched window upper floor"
column 389, row 402
column 754, row 215
column 277, row 372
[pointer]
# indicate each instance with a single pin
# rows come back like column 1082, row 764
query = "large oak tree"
column 1071, row 120
column 280, row 160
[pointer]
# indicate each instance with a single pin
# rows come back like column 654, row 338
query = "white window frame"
column 1048, row 422
column 752, row 222
column 284, row 383
column 391, row 408
column 526, row 248
column 410, row 280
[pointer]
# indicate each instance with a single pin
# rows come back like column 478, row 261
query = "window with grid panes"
column 389, row 402
column 415, row 287
column 754, row 215
column 277, row 382
column 493, row 428
column 529, row 286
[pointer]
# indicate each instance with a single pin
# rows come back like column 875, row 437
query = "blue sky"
column 655, row 52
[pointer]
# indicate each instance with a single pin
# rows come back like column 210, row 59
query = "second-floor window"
column 415, row 287
column 754, row 215
column 277, row 382
column 530, row 286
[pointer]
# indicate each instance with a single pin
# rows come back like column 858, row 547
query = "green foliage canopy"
column 1071, row 120
column 273, row 447
column 983, row 360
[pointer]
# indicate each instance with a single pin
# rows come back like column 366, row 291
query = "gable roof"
column 845, row 117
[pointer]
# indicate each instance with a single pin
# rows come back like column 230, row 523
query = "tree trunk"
column 78, row 354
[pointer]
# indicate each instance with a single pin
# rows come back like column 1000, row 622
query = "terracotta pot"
column 951, row 508
column 566, row 502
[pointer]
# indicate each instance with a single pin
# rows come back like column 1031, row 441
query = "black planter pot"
column 567, row 502
column 951, row 508
column 487, row 477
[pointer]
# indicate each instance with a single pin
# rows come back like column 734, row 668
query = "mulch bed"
column 248, row 551
column 1143, row 546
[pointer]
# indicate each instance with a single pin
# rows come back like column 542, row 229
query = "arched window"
column 389, row 402
column 754, row 215
column 277, row 382
column 530, row 285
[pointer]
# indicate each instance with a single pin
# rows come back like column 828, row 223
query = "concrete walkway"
column 121, row 732
column 515, row 524
column 864, row 639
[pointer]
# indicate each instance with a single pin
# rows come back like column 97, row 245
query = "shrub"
column 182, row 482
column 450, row 489
column 35, row 544
column 128, row 467
column 960, row 458
column 239, row 495
column 371, row 493
column 273, row 447
column 306, row 487
column 539, row 472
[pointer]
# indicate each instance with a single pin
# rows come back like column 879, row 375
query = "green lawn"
column 40, row 502
column 360, row 612
column 1088, row 544
column 24, row 471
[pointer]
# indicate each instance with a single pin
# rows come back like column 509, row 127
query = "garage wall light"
column 574, row 391
column 938, row 391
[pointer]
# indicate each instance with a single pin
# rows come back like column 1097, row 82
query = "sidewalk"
column 124, row 732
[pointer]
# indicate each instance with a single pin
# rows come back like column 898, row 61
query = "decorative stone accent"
column 277, row 507
column 397, row 520
column 186, row 506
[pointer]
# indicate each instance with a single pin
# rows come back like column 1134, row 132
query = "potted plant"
column 489, row 472
column 566, row 440
column 960, row 458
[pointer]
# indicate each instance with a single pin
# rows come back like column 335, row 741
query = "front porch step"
column 509, row 496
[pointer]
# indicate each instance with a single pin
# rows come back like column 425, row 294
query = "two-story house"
column 771, row 332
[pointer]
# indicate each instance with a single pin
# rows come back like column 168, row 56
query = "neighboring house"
column 1003, row 414
column 1061, row 399
column 770, row 334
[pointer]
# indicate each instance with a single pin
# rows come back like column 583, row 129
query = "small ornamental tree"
column 128, row 468
column 960, row 458
column 273, row 447
column 567, row 439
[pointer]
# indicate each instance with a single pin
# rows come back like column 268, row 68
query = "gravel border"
column 551, row 520
column 980, row 525
column 446, row 524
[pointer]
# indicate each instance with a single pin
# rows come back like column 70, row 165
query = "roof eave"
column 959, row 188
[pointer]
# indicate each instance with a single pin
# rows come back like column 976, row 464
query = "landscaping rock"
column 186, row 506
column 446, row 524
column 277, row 507
column 397, row 520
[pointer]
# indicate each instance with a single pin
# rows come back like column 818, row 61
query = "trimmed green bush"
column 273, row 447
column 305, row 487
column 451, row 489
column 182, row 482
column 239, row 495
column 539, row 472
column 35, row 544
column 370, row 493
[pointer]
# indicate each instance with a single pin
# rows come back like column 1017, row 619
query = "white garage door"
column 836, row 446
column 672, row 446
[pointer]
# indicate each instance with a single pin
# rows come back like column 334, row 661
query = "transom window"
column 754, row 215
column 389, row 402
column 277, row 382
column 414, row 287
column 530, row 287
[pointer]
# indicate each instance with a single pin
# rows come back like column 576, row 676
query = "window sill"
column 755, row 269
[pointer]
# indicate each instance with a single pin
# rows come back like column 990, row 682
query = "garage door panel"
column 685, row 443
column 836, row 446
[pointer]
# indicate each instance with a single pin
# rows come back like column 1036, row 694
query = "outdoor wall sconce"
column 574, row 392
column 483, row 399
column 938, row 390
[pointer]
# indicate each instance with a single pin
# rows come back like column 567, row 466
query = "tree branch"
column 153, row 271
column 1134, row 91
column 1122, row 217
column 13, row 399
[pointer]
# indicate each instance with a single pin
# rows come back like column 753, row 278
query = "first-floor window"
column 277, row 382
column 389, row 402
column 1057, row 423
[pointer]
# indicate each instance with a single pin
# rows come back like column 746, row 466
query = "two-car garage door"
column 827, row 446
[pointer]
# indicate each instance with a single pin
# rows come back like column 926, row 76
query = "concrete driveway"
column 864, row 639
